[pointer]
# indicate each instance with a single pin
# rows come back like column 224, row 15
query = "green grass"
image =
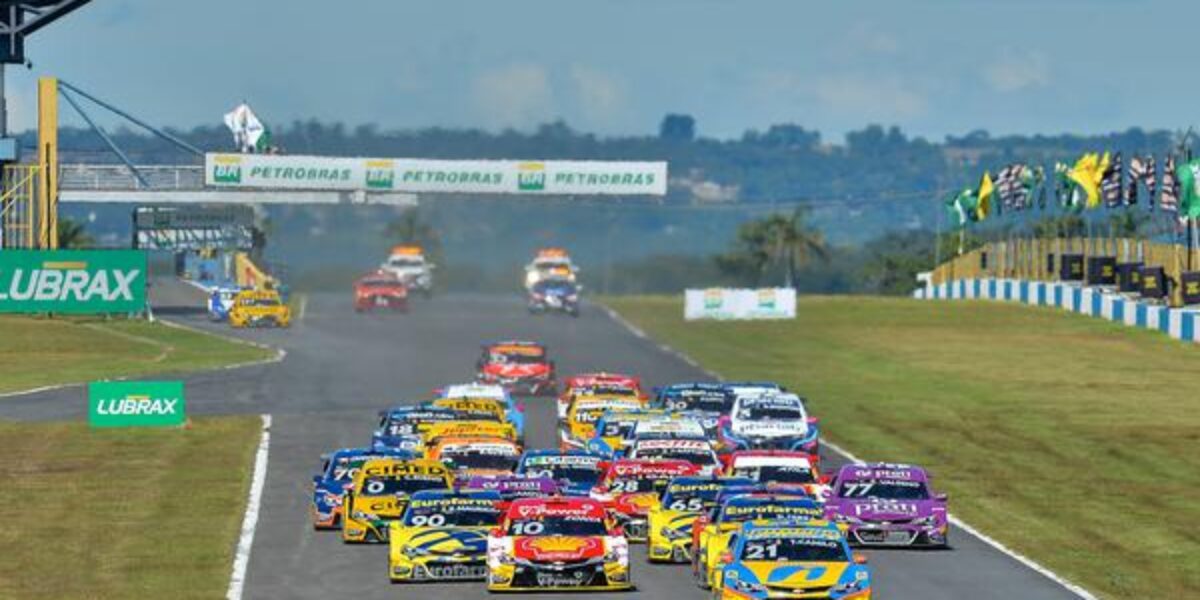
column 1073, row 440
column 38, row 351
column 123, row 513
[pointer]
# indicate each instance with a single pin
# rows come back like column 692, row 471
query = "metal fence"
column 119, row 177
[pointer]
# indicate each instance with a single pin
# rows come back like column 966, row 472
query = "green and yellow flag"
column 983, row 203
column 1087, row 174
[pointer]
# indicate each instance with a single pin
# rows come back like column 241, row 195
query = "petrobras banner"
column 72, row 281
column 725, row 303
column 136, row 404
column 561, row 177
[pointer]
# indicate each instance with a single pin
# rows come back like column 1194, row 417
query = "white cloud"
column 517, row 95
column 888, row 98
column 1016, row 71
column 601, row 96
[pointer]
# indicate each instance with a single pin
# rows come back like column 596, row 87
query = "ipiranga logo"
column 59, row 281
column 227, row 168
column 136, row 403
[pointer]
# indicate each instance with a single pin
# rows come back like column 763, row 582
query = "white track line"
column 237, row 580
column 959, row 523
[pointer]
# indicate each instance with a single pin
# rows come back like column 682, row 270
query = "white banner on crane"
column 559, row 177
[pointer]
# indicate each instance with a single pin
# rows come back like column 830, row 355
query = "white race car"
column 766, row 421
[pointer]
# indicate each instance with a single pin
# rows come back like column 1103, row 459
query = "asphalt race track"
column 342, row 367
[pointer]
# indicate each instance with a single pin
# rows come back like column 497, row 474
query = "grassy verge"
column 1073, row 440
column 36, row 351
column 123, row 513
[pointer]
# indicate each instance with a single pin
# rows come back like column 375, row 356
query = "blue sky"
column 933, row 67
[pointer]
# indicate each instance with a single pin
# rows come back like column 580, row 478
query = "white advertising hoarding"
column 725, row 303
column 273, row 171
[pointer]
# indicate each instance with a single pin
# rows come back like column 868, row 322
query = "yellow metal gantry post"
column 48, row 162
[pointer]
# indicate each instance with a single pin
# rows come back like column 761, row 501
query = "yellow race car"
column 579, row 426
column 669, row 522
column 259, row 308
column 476, row 455
column 380, row 492
column 443, row 536
column 435, row 432
column 790, row 559
column 712, row 532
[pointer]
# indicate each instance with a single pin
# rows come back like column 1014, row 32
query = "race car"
column 630, row 487
column 780, row 468
column 711, row 532
column 598, row 384
column 380, row 289
column 550, row 264
column 380, row 491
column 889, row 505
column 769, row 421
column 259, row 308
column 511, row 487
column 442, row 536
column 476, row 455
column 614, row 430
column 576, row 472
column 714, row 398
column 435, row 432
column 579, row 426
column 407, row 263
column 792, row 559
column 675, row 427
column 521, row 367
column 503, row 409
column 554, row 295
column 671, row 517
column 220, row 301
column 557, row 543
column 697, row 451
column 402, row 426
column 337, row 474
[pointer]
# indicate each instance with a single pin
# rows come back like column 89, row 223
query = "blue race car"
column 337, row 472
column 220, row 300
column 576, row 471
column 401, row 427
column 792, row 559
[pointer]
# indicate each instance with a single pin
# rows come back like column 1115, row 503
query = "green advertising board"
column 136, row 403
column 72, row 281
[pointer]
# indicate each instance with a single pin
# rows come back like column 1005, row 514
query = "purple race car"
column 512, row 487
column 888, row 505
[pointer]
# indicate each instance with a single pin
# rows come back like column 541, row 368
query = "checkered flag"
column 1141, row 170
column 1110, row 184
column 1168, row 200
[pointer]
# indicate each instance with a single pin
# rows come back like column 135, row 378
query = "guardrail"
column 118, row 177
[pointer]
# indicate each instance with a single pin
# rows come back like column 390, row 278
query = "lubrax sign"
column 135, row 403
column 72, row 281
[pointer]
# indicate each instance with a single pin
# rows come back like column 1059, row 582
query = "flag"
column 1086, row 175
column 960, row 208
column 983, row 203
column 249, row 134
column 1037, row 186
column 1110, row 183
column 1006, row 181
column 1168, row 199
column 1188, row 176
column 1062, row 185
column 1141, row 169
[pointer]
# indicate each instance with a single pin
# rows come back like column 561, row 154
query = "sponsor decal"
column 381, row 174
column 227, row 169
column 136, row 403
column 531, row 177
column 72, row 281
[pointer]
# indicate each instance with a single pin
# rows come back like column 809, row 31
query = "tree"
column 677, row 128
column 409, row 228
column 792, row 243
column 73, row 234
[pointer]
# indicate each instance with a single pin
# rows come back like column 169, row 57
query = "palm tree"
column 72, row 234
column 790, row 241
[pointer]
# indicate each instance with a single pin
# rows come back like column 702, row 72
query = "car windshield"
column 259, row 301
column 555, row 287
column 892, row 489
column 345, row 468
column 408, row 484
column 714, row 402
column 636, row 484
column 765, row 412
column 766, row 510
column 474, row 459
column 776, row 473
column 406, row 261
column 696, row 456
column 690, row 498
column 569, row 526
column 617, row 428
column 579, row 474
column 515, row 358
column 378, row 283
column 793, row 549
column 472, row 514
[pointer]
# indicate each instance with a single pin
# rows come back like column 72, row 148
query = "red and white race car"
column 780, row 468
column 521, row 367
column 698, row 452
column 380, row 289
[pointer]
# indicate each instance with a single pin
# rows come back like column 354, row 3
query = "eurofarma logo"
column 531, row 177
column 227, row 169
column 136, row 403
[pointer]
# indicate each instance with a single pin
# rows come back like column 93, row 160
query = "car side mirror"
column 860, row 559
column 726, row 558
column 941, row 497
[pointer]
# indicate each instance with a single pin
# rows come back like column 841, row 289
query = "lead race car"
column 557, row 543
column 380, row 290
column 889, row 505
column 521, row 367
